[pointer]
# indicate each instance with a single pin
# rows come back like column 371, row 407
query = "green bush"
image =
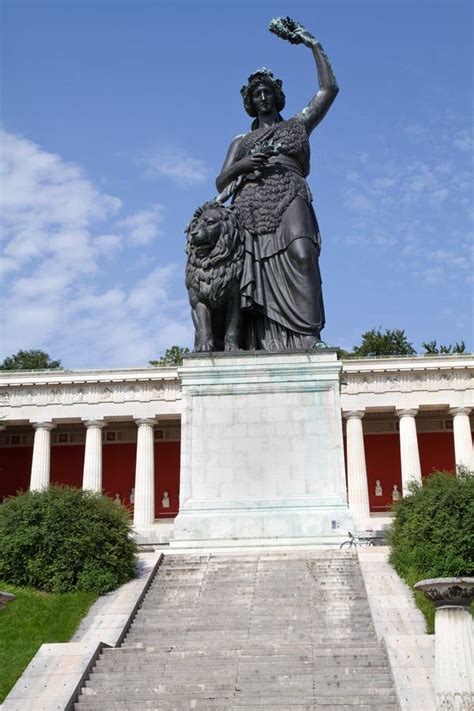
column 64, row 539
column 432, row 535
column 433, row 529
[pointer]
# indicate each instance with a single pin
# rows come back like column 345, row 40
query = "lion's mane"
column 209, row 277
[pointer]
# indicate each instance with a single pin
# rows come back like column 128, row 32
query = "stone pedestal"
column 261, row 450
column 454, row 641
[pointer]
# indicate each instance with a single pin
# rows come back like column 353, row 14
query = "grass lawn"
column 31, row 620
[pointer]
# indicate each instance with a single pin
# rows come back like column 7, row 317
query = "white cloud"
column 142, row 226
column 61, row 291
column 176, row 164
column 415, row 213
column 464, row 142
column 47, row 206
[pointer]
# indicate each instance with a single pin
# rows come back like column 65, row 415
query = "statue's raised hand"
column 306, row 38
column 292, row 31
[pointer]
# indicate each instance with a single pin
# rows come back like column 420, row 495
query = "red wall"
column 382, row 456
column 119, row 473
column 167, row 458
column 118, row 469
column 15, row 469
column 67, row 463
column 436, row 452
column 118, row 460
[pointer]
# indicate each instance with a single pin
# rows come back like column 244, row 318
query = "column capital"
column 44, row 426
column 406, row 411
column 150, row 421
column 94, row 423
column 459, row 410
column 353, row 414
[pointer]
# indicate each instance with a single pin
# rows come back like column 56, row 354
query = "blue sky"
column 116, row 117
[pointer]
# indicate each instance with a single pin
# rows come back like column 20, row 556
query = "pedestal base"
column 261, row 447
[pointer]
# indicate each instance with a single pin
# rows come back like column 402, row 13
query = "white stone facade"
column 406, row 395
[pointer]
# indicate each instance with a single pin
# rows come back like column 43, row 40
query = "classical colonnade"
column 144, row 503
column 358, row 491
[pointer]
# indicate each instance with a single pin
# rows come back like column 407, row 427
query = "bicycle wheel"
column 346, row 545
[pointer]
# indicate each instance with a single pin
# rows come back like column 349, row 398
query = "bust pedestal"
column 261, row 450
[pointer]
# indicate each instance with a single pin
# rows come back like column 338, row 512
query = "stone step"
column 329, row 671
column 109, row 684
column 233, row 701
column 224, row 705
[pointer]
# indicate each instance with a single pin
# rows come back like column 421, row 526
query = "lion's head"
column 213, row 233
column 215, row 250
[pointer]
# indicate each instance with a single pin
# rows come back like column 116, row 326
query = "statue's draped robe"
column 281, row 297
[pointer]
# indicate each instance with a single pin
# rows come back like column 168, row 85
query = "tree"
column 390, row 343
column 432, row 348
column 173, row 356
column 30, row 360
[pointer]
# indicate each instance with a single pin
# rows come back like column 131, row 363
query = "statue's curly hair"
column 262, row 76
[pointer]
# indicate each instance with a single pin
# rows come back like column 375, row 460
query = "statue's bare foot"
column 204, row 347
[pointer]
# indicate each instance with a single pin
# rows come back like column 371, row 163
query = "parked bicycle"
column 356, row 541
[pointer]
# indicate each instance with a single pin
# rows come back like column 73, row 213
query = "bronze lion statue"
column 215, row 250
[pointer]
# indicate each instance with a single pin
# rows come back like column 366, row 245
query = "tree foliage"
column 432, row 348
column 392, row 342
column 173, row 356
column 30, row 360
column 65, row 539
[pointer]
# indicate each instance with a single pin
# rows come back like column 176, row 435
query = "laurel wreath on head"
column 286, row 28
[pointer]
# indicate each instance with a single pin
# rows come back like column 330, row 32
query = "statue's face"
column 263, row 99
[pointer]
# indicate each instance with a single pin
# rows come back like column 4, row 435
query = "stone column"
column 358, row 490
column 454, row 640
column 92, row 474
column 409, row 454
column 41, row 456
column 144, row 506
column 463, row 453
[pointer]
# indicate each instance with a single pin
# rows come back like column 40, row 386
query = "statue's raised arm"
column 294, row 32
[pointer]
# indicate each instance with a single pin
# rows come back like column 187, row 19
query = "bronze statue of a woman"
column 265, row 172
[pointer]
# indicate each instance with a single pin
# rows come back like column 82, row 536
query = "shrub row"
column 64, row 539
column 432, row 535
column 433, row 529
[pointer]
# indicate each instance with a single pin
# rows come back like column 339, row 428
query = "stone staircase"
column 263, row 630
